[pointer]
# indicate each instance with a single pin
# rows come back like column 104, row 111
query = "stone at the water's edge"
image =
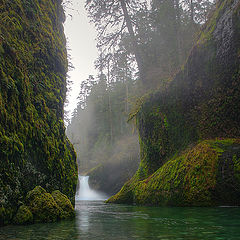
column 44, row 207
column 6, row 214
column 64, row 203
column 23, row 216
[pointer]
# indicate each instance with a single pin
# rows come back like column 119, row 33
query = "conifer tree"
column 112, row 19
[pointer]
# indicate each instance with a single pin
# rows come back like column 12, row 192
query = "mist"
column 138, row 53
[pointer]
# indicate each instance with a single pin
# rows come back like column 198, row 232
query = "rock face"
column 201, row 102
column 207, row 174
column 33, row 64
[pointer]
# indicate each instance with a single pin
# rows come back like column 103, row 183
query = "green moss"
column 23, row 216
column 125, row 195
column 210, row 26
column 33, row 66
column 36, row 192
column 64, row 203
column 236, row 166
column 177, row 166
column 190, row 179
column 43, row 206
column 6, row 214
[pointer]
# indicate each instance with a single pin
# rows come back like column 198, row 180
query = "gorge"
column 186, row 122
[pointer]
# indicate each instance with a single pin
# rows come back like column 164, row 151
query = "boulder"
column 64, row 204
column 23, row 216
column 43, row 206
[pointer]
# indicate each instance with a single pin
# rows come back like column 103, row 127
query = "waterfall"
column 85, row 193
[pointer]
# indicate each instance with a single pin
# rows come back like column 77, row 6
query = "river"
column 97, row 220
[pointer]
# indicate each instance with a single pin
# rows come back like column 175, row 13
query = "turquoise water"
column 96, row 220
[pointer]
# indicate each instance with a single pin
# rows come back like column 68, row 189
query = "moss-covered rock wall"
column 206, row 174
column 201, row 102
column 33, row 64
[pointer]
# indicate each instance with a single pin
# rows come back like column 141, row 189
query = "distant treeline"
column 140, row 46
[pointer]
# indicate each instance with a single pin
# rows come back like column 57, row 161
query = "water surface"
column 97, row 220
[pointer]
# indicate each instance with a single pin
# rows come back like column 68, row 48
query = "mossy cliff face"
column 33, row 64
column 207, row 174
column 201, row 102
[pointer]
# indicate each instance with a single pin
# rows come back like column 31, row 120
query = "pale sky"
column 81, row 37
column 81, row 40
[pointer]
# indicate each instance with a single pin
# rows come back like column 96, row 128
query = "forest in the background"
column 141, row 46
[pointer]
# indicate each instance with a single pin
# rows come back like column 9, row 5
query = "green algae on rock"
column 201, row 102
column 33, row 65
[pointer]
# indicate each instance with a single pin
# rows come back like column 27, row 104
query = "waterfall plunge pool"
column 97, row 220
column 100, row 221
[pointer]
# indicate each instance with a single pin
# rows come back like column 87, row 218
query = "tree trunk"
column 178, row 25
column 109, row 105
column 192, row 11
column 126, row 84
column 134, row 41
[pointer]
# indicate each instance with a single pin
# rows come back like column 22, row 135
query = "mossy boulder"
column 64, row 203
column 207, row 174
column 23, row 216
column 42, row 205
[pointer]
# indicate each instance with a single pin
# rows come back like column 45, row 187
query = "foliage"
column 156, row 39
column 112, row 20
column 97, row 128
